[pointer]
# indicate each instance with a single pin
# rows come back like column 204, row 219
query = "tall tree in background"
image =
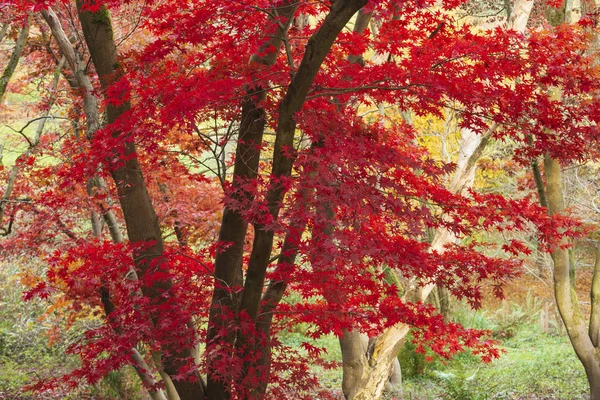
column 584, row 333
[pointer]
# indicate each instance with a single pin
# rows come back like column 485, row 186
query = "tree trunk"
column 228, row 263
column 140, row 218
column 395, row 381
column 519, row 15
column 317, row 48
column 594, row 380
column 82, row 81
column 4, row 31
column 583, row 338
column 368, row 368
column 354, row 346
column 357, row 369
column 144, row 372
column 14, row 58
column 271, row 298
column 445, row 302
column 566, row 297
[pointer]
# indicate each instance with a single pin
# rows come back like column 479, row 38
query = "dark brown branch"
column 228, row 262
column 317, row 48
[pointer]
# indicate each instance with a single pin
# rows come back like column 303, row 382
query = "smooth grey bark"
column 519, row 15
column 354, row 346
column 90, row 101
column 90, row 105
column 143, row 371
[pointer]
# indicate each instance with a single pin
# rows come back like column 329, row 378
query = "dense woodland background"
column 293, row 199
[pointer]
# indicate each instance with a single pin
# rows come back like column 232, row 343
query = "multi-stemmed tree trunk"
column 141, row 222
column 234, row 228
column 228, row 273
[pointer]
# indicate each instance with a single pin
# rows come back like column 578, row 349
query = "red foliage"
column 366, row 192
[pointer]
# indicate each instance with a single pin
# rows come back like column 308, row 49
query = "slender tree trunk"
column 144, row 372
column 82, row 81
column 90, row 101
column 539, row 184
column 228, row 262
column 316, row 50
column 14, row 58
column 540, row 261
column 594, row 330
column 140, row 218
column 271, row 298
column 445, row 303
column 169, row 386
column 566, row 298
column 138, row 363
column 583, row 337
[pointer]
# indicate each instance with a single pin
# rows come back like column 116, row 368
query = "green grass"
column 535, row 365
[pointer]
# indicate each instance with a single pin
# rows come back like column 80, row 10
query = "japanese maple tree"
column 317, row 199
